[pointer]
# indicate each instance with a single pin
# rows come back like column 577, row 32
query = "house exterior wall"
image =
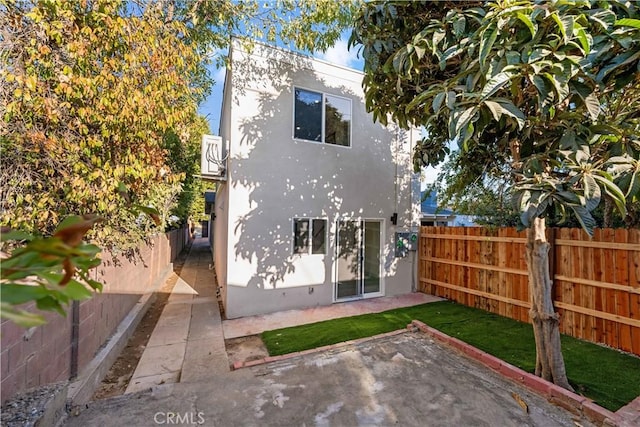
column 274, row 178
column 221, row 212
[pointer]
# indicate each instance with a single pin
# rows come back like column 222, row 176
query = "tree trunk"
column 608, row 212
column 549, row 361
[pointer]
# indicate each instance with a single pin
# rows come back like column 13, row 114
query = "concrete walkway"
column 187, row 343
column 253, row 325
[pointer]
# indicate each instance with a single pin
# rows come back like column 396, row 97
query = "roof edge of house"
column 296, row 53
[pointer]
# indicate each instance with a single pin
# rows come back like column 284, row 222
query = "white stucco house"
column 312, row 192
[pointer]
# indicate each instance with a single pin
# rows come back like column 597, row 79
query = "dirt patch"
column 245, row 349
column 117, row 379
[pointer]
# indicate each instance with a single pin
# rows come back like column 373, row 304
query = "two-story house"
column 313, row 191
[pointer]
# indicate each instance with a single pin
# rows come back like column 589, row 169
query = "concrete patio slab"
column 205, row 354
column 202, row 360
column 186, row 343
column 245, row 326
column 182, row 291
column 166, row 334
column 205, row 322
column 175, row 313
column 406, row 380
column 172, row 327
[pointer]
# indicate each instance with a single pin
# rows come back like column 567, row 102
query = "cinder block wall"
column 39, row 356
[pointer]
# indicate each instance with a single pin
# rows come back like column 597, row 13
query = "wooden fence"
column 596, row 281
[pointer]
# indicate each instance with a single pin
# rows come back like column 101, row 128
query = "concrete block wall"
column 35, row 356
column 38, row 356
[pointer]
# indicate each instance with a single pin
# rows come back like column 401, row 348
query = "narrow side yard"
column 609, row 377
column 117, row 378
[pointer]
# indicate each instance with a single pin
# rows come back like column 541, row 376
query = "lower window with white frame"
column 309, row 236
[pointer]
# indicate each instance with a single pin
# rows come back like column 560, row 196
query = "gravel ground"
column 24, row 410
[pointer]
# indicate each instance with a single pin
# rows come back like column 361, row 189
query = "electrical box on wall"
column 213, row 158
column 405, row 242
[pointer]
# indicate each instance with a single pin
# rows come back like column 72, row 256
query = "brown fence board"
column 483, row 247
column 524, row 280
column 604, row 292
column 599, row 286
column 596, row 280
column 612, row 328
column 458, row 273
column 505, row 260
column 634, row 283
column 472, row 274
column 438, row 249
column 589, row 292
column 576, row 271
column 622, row 298
column 566, row 288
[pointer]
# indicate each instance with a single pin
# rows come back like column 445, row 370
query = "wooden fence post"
column 552, row 256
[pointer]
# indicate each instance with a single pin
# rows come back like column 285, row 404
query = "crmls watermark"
column 177, row 418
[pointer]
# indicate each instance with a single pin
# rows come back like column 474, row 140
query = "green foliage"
column 90, row 89
column 478, row 191
column 50, row 271
column 472, row 187
column 98, row 103
column 549, row 89
column 97, row 97
column 305, row 25
column 185, row 157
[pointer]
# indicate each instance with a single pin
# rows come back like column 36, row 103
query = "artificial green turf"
column 609, row 377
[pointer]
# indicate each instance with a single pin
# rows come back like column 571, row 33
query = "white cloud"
column 339, row 54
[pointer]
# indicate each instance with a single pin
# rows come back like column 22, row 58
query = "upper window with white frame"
column 321, row 117
column 309, row 236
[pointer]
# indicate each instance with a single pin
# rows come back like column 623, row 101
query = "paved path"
column 187, row 343
column 257, row 324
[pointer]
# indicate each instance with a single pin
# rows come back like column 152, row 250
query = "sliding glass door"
column 371, row 257
column 358, row 258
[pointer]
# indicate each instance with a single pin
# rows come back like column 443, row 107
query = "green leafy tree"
column 471, row 186
column 552, row 86
column 98, row 103
column 93, row 90
column 185, row 157
column 89, row 90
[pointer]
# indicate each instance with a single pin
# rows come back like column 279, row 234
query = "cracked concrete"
column 406, row 379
